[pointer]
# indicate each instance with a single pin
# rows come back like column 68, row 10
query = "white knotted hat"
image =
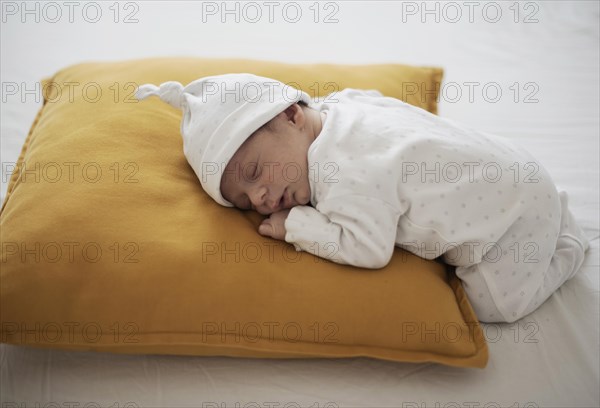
column 219, row 114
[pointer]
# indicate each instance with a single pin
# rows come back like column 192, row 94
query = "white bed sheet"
column 548, row 359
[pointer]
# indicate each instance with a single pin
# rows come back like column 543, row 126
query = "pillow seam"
column 13, row 182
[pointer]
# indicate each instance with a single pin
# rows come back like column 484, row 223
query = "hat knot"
column 170, row 92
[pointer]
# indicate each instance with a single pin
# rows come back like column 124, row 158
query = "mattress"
column 543, row 57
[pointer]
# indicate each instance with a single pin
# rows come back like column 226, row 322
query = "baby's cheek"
column 305, row 198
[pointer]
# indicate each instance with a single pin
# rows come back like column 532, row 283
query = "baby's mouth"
column 284, row 200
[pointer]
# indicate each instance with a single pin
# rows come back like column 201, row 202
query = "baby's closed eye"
column 254, row 172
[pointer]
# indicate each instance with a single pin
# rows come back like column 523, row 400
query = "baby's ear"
column 294, row 113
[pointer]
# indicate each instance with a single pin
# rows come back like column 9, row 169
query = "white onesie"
column 384, row 173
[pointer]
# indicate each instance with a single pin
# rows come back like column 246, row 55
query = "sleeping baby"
column 351, row 177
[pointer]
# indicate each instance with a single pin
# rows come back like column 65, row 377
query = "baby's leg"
column 537, row 256
column 568, row 257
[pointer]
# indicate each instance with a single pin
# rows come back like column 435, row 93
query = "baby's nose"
column 263, row 201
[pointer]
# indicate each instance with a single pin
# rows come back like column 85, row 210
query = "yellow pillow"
column 110, row 244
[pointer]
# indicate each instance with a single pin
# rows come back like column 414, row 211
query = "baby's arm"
column 354, row 230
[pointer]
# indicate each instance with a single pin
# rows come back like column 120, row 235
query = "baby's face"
column 268, row 173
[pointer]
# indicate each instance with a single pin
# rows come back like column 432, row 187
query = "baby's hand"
column 274, row 226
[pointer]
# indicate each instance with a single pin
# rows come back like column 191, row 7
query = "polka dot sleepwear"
column 384, row 173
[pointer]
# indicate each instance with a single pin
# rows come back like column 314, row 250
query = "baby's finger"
column 265, row 229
